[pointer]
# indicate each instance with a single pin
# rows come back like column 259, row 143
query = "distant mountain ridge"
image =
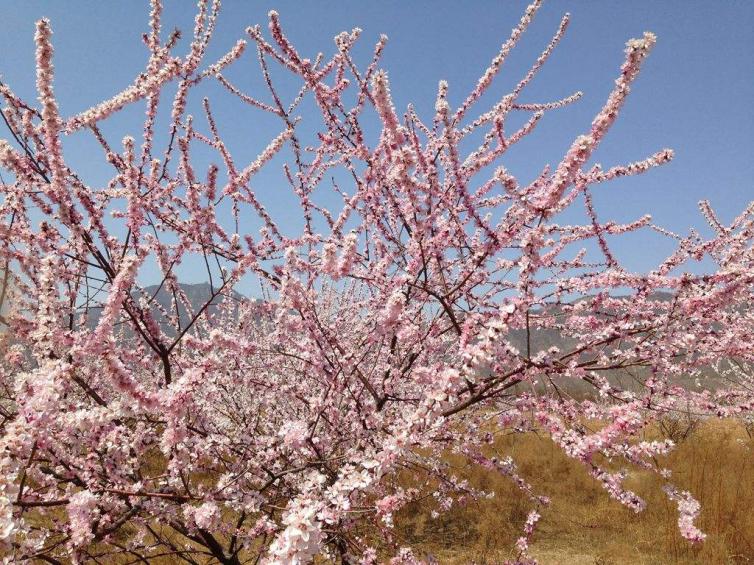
column 197, row 295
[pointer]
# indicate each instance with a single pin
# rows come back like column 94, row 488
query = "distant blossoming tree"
column 400, row 324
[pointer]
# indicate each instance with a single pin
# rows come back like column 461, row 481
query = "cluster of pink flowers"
column 206, row 516
column 82, row 511
column 522, row 544
column 142, row 87
column 410, row 314
column 688, row 511
column 301, row 539
column 8, row 493
column 50, row 114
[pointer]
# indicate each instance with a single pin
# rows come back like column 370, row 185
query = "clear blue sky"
column 696, row 94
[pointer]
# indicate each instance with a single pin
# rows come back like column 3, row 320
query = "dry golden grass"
column 583, row 526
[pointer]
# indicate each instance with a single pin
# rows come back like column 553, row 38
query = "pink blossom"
column 141, row 88
column 206, row 516
column 300, row 540
column 8, row 492
column 82, row 511
column 688, row 511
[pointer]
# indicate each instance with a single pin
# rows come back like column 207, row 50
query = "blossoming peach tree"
column 400, row 324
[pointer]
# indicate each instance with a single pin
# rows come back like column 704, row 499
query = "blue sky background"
column 695, row 95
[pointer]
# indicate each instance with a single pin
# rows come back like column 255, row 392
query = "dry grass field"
column 583, row 526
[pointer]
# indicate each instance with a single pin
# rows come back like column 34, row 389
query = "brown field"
column 715, row 461
column 582, row 525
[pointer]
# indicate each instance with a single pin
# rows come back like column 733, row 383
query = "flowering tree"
column 398, row 325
